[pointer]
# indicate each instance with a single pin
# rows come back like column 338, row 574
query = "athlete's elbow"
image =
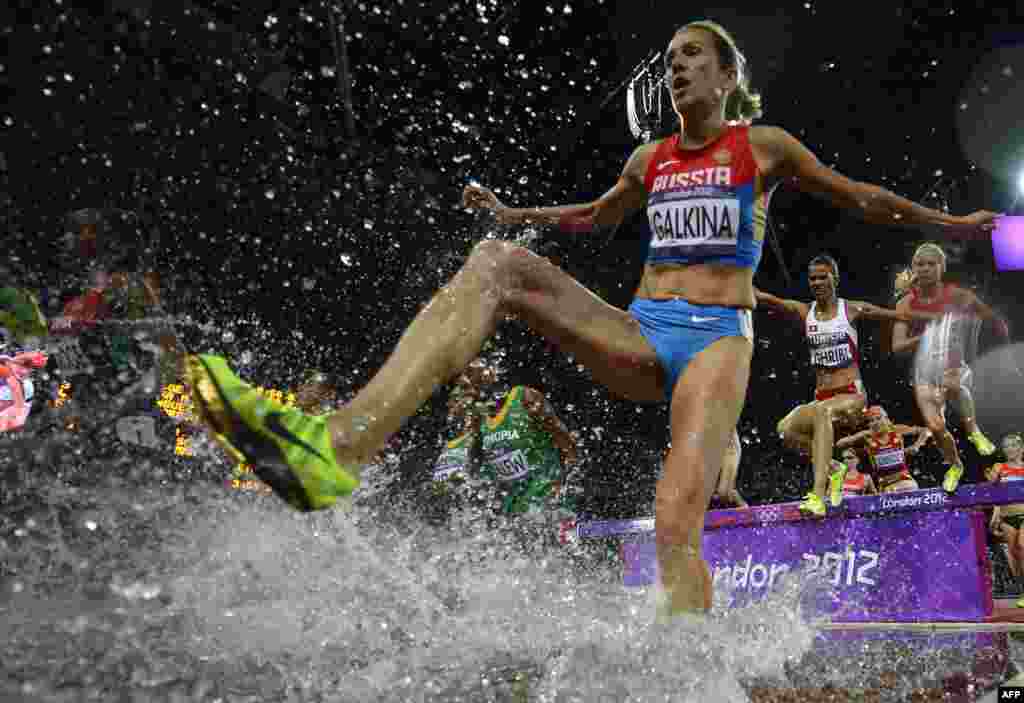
column 873, row 205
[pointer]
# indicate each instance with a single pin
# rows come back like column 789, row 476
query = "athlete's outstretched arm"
column 792, row 161
column 626, row 197
column 902, row 342
column 853, row 440
column 792, row 307
column 971, row 299
column 544, row 415
column 870, row 311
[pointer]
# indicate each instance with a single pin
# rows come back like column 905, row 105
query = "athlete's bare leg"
column 730, row 470
column 1012, row 547
column 706, row 405
column 931, row 401
column 813, row 425
column 497, row 280
column 1015, row 554
column 961, row 395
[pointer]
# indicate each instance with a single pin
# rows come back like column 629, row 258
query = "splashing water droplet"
column 503, row 40
column 270, row 193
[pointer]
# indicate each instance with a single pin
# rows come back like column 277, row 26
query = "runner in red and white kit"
column 1006, row 520
column 839, row 399
column 855, row 482
column 883, row 441
column 940, row 369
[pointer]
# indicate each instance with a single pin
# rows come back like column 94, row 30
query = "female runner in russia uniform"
column 687, row 338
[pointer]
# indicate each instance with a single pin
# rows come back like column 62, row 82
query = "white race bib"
column 889, row 458
column 511, row 465
column 832, row 356
column 698, row 225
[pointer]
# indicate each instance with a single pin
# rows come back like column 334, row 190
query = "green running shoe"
column 291, row 452
column 814, row 505
column 952, row 479
column 835, row 483
column 981, row 443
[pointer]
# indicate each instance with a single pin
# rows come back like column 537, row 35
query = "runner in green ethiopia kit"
column 523, row 448
column 519, row 451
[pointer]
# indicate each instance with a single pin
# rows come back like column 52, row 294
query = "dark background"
column 221, row 125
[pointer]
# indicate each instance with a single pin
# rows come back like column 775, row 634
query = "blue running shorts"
column 679, row 330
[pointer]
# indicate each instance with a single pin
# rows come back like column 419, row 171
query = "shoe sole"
column 265, row 456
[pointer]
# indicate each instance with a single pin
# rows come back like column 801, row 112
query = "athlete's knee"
column 497, row 253
column 488, row 249
column 786, row 427
column 937, row 425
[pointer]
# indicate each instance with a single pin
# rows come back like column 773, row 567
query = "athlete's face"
column 1013, row 449
column 820, row 278
column 927, row 269
column 851, row 459
column 693, row 72
column 879, row 422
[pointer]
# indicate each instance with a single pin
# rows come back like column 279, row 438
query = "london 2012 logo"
column 770, row 513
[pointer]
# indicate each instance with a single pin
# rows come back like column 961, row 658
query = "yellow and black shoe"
column 952, row 478
column 982, row 443
column 814, row 505
column 291, row 452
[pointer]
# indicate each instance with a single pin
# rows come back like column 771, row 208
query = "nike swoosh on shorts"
column 698, row 320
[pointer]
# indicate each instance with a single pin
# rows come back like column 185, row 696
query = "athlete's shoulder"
column 640, row 159
column 960, row 295
column 763, row 135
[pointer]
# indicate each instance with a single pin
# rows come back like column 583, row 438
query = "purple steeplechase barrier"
column 908, row 557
